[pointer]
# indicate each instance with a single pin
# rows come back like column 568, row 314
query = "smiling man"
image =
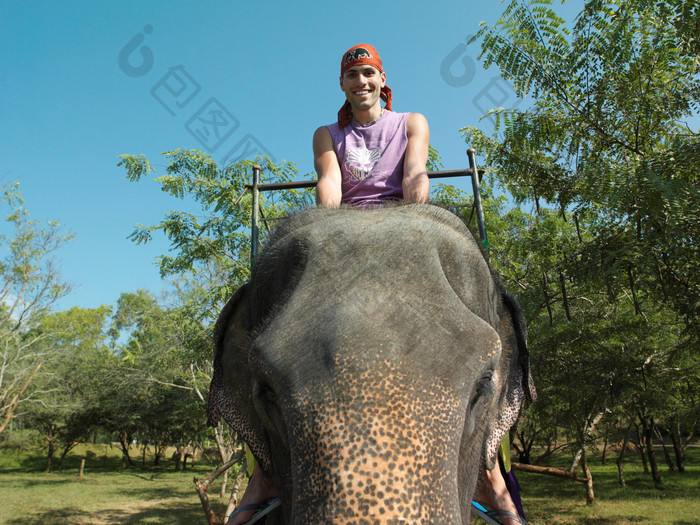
column 372, row 154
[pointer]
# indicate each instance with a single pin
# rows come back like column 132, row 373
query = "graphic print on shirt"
column 360, row 162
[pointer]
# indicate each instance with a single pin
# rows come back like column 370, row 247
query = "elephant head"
column 373, row 363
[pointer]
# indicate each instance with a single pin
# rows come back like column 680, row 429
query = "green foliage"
column 161, row 345
column 606, row 142
column 137, row 166
column 607, row 266
column 30, row 284
column 434, row 159
column 30, row 280
column 607, row 139
column 219, row 231
column 65, row 405
column 168, row 350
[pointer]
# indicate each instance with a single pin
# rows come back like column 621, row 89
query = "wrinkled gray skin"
column 372, row 363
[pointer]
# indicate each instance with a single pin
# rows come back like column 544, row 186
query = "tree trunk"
column 588, row 429
column 660, row 276
column 546, row 297
column 604, row 457
column 677, row 448
column 611, row 292
column 547, row 451
column 590, row 495
column 12, row 405
column 524, row 449
column 233, row 500
column 655, row 474
column 143, row 456
column 648, row 427
column 550, row 471
column 564, row 297
column 642, row 450
column 51, row 446
column 124, row 442
column 578, row 229
column 203, row 486
column 50, row 436
column 224, row 453
column 177, row 457
column 630, row 273
column 67, row 448
column 667, row 456
column 576, row 460
column 224, row 482
column 620, row 468
column 158, row 451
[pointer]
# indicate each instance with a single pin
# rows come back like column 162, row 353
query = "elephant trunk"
column 386, row 454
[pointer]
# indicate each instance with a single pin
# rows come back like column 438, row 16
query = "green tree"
column 210, row 249
column 219, row 232
column 607, row 266
column 30, row 284
column 610, row 137
column 165, row 365
column 66, row 404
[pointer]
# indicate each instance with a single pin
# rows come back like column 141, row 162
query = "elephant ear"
column 516, row 383
column 231, row 389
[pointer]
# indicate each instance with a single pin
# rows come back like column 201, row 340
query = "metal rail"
column 256, row 188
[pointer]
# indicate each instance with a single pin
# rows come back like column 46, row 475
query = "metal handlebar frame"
column 472, row 172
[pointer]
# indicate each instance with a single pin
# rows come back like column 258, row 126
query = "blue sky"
column 84, row 82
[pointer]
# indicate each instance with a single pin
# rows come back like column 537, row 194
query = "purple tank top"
column 371, row 158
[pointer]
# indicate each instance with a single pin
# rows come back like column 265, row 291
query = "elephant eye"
column 484, row 388
column 265, row 393
column 267, row 405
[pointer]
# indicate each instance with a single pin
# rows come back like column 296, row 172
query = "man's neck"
column 367, row 116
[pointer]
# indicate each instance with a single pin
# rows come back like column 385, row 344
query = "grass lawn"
column 159, row 495
column 550, row 500
column 105, row 494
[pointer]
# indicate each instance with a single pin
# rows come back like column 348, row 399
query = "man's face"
column 362, row 86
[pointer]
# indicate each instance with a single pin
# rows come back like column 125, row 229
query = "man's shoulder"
column 416, row 117
column 408, row 119
column 416, row 123
column 322, row 136
column 326, row 128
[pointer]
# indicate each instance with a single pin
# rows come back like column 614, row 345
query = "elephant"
column 372, row 363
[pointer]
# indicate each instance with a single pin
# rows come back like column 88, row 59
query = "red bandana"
column 361, row 55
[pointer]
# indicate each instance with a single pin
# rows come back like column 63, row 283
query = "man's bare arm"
column 329, row 188
column 416, row 185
